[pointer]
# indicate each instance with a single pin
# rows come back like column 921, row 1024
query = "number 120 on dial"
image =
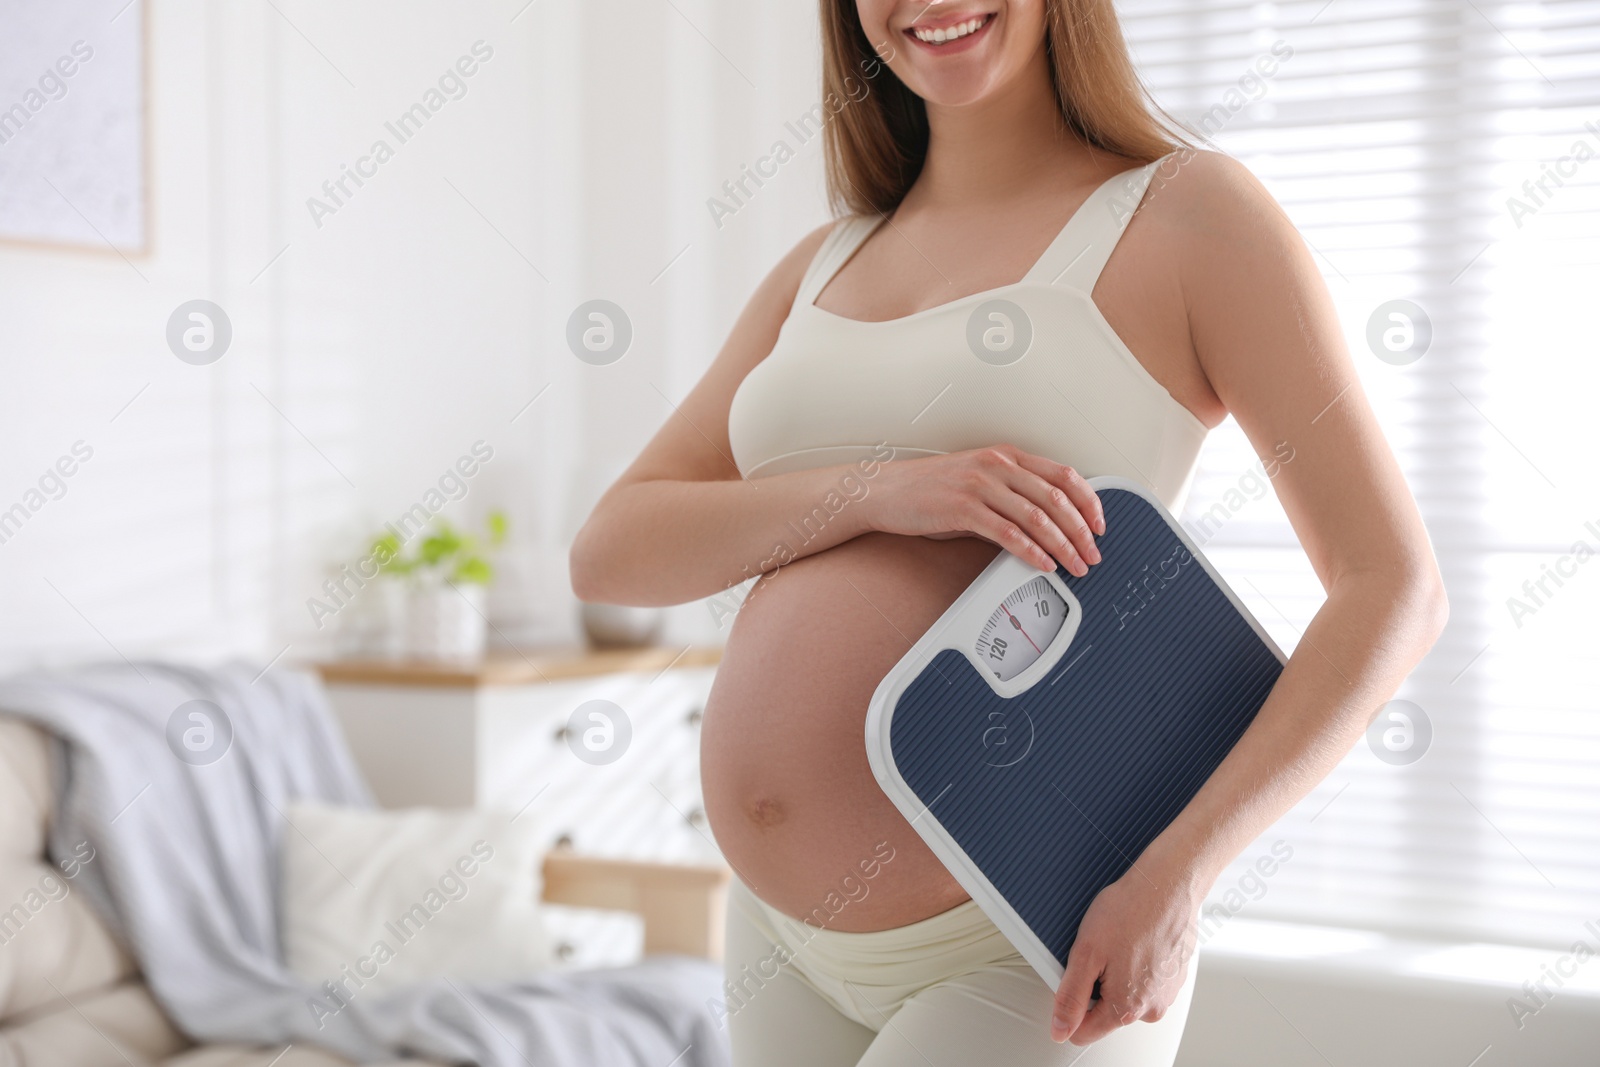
column 1021, row 628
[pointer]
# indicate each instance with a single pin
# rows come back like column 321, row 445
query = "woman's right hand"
column 1036, row 508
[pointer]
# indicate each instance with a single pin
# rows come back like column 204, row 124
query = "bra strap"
column 1083, row 247
column 839, row 245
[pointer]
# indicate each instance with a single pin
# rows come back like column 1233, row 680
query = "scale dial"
column 1021, row 628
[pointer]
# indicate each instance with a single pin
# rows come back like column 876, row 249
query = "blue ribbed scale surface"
column 1160, row 681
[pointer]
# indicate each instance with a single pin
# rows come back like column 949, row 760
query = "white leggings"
column 948, row 991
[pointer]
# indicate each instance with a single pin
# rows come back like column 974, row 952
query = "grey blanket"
column 187, row 867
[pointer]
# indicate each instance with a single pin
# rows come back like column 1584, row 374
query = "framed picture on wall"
column 72, row 124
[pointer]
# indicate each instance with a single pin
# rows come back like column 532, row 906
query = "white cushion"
column 375, row 900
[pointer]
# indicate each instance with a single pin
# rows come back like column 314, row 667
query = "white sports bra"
column 948, row 378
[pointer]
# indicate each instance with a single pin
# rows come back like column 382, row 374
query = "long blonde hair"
column 876, row 144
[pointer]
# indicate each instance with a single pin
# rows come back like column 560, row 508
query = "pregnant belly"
column 788, row 790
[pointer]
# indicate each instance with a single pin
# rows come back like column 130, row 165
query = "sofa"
column 71, row 996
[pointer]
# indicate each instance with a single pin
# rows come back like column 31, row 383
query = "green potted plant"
column 447, row 611
column 437, row 588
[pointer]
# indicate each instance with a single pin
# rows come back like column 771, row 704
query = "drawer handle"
column 695, row 715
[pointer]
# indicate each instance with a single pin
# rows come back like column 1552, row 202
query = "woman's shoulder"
column 785, row 278
column 1210, row 208
column 775, row 294
column 806, row 249
column 838, row 229
column 1202, row 189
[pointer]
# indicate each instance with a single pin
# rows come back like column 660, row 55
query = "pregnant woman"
column 869, row 438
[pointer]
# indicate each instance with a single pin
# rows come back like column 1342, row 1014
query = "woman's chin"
column 951, row 90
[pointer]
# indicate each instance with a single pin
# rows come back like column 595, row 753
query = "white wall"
column 372, row 351
column 129, row 559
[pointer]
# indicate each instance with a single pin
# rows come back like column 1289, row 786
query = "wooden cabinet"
column 502, row 735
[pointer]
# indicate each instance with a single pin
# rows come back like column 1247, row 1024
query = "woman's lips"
column 950, row 34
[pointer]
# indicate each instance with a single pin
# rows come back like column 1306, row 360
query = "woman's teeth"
column 949, row 33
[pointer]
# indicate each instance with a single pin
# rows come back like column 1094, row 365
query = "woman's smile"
column 958, row 53
column 950, row 33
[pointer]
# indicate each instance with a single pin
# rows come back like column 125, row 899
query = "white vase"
column 446, row 623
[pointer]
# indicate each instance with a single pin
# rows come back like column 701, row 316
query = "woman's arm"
column 680, row 522
column 1269, row 341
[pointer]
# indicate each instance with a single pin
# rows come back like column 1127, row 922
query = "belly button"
column 766, row 812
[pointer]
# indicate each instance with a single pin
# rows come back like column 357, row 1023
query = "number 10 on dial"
column 1021, row 628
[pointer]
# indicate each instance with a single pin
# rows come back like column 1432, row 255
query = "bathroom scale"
column 1047, row 727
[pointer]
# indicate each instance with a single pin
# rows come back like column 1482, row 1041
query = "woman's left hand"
column 1135, row 941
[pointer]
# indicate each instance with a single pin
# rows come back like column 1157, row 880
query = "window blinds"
column 1445, row 153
